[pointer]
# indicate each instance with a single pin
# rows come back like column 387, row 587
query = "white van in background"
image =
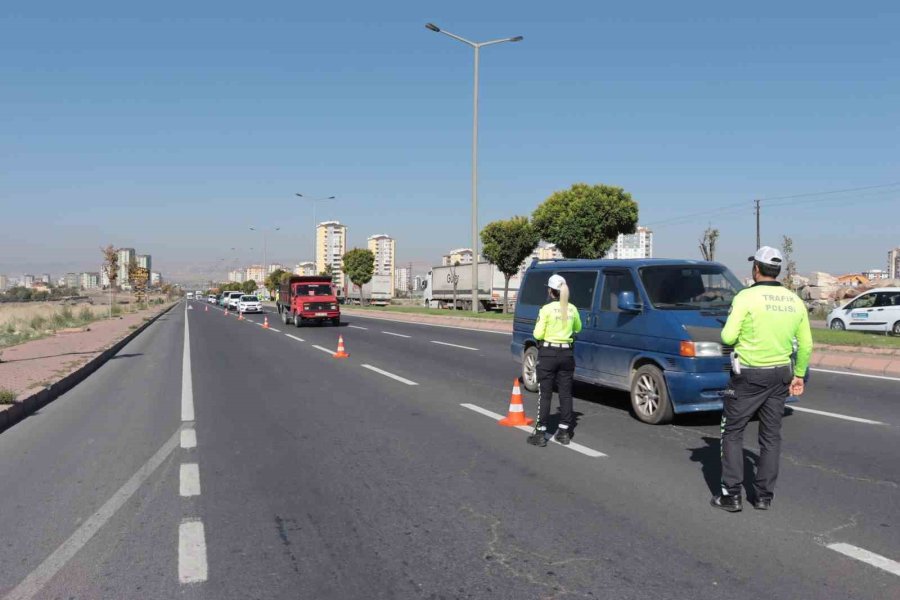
column 875, row 310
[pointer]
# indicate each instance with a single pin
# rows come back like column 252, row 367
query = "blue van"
column 650, row 326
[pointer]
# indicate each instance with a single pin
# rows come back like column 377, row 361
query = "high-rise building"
column 894, row 263
column 4, row 282
column 45, row 278
column 402, row 279
column 633, row 245
column 275, row 266
column 462, row 256
column 236, row 276
column 28, row 280
column 89, row 280
column 155, row 278
column 126, row 259
column 104, row 277
column 143, row 260
column 72, row 280
column 305, row 268
column 331, row 245
column 417, row 282
column 383, row 247
column 255, row 273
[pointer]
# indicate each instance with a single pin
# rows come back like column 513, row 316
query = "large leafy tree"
column 274, row 280
column 507, row 244
column 585, row 220
column 249, row 286
column 359, row 266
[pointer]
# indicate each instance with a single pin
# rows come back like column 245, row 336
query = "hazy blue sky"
column 174, row 126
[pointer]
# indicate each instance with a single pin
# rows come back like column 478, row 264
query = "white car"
column 875, row 310
column 249, row 304
column 211, row 298
column 190, row 295
column 231, row 300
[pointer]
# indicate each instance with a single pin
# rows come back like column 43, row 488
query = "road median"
column 36, row 373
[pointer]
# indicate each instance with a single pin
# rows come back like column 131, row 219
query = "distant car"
column 249, row 304
column 190, row 295
column 875, row 310
column 221, row 299
column 211, row 298
column 231, row 300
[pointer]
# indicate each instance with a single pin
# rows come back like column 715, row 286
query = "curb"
column 30, row 405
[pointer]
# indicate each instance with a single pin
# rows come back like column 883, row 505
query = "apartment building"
column 633, row 245
column 331, row 245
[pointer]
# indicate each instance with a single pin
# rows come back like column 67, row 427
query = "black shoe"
column 729, row 503
column 537, row 439
column 563, row 437
column 762, row 504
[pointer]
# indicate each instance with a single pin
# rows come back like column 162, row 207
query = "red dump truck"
column 304, row 298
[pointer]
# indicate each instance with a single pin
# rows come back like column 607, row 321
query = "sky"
column 174, row 127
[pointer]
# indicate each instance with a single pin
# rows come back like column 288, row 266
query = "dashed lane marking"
column 189, row 480
column 294, row 337
column 358, row 327
column 834, row 415
column 275, row 330
column 396, row 334
column 188, row 438
column 861, row 554
column 389, row 374
column 192, row 566
column 453, row 345
column 571, row 446
column 325, row 350
column 866, row 375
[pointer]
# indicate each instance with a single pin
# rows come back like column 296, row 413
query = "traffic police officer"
column 764, row 321
column 557, row 323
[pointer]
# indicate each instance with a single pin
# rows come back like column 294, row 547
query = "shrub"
column 85, row 314
column 116, row 310
column 38, row 322
column 7, row 396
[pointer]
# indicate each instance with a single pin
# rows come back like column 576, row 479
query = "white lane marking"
column 835, row 415
column 453, row 345
column 396, row 334
column 192, row 567
column 856, row 374
column 294, row 337
column 876, row 560
column 571, row 446
column 189, row 480
column 275, row 330
column 325, row 350
column 358, row 327
column 37, row 579
column 509, row 333
column 188, row 438
column 187, row 384
column 391, row 375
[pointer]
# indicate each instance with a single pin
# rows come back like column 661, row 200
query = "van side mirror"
column 627, row 303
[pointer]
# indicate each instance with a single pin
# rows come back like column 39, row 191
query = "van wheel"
column 529, row 369
column 896, row 328
column 838, row 325
column 297, row 320
column 650, row 397
column 284, row 317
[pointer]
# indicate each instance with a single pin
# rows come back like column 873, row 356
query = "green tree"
column 328, row 271
column 585, row 220
column 708, row 243
column 789, row 279
column 274, row 279
column 507, row 244
column 248, row 287
column 359, row 265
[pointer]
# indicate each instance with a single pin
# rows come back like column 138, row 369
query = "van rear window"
column 534, row 290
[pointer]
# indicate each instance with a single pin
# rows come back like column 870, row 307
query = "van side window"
column 613, row 283
column 534, row 290
column 884, row 299
column 581, row 288
column 865, row 301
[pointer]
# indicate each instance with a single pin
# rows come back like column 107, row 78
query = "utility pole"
column 758, row 242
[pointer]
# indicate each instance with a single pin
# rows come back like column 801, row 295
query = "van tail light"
column 687, row 349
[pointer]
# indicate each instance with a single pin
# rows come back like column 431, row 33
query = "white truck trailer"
column 439, row 287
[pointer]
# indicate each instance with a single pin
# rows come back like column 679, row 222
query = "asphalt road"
column 262, row 467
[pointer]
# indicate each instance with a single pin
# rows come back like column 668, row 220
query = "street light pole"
column 476, row 46
column 265, row 251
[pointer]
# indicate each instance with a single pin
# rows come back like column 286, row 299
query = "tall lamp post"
column 315, row 202
column 265, row 250
column 477, row 46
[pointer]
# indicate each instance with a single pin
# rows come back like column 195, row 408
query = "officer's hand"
column 797, row 386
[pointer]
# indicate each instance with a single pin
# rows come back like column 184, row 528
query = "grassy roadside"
column 421, row 310
column 855, row 338
column 24, row 324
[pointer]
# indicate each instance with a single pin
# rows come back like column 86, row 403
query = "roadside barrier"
column 516, row 415
column 341, row 353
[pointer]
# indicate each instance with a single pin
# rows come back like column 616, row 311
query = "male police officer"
column 764, row 321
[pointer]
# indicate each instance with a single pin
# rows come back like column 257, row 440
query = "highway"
column 214, row 459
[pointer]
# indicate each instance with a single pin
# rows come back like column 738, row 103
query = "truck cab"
column 308, row 298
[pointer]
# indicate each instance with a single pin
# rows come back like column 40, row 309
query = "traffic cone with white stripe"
column 341, row 353
column 206, row 308
column 266, row 322
column 240, row 316
column 516, row 415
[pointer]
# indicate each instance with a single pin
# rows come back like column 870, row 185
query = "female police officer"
column 556, row 324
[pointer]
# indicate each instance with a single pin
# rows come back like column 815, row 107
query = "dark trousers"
column 762, row 392
column 555, row 366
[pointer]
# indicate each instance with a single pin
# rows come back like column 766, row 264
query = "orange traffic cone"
column 516, row 415
column 206, row 308
column 266, row 322
column 240, row 316
column 341, row 353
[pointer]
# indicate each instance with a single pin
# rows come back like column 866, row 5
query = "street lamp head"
column 518, row 38
column 432, row 27
column 253, row 229
column 330, row 198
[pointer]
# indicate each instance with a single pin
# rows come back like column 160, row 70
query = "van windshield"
column 690, row 287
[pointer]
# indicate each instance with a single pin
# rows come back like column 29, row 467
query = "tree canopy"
column 585, row 220
column 507, row 244
column 359, row 266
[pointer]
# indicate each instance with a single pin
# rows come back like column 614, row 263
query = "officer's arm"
column 576, row 326
column 804, row 343
column 735, row 318
column 540, row 328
